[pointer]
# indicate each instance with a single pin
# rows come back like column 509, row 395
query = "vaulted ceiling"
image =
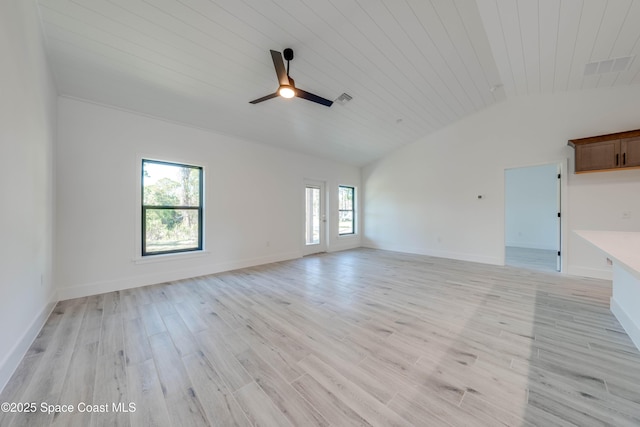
column 411, row 66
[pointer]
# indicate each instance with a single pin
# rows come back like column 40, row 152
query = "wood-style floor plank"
column 144, row 390
column 182, row 403
column 25, row 372
column 111, row 388
column 136, row 342
column 360, row 337
column 260, row 410
column 78, row 384
column 297, row 410
column 51, row 371
column 332, row 407
column 371, row 409
column 221, row 408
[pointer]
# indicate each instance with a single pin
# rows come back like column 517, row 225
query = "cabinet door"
column 630, row 151
column 598, row 156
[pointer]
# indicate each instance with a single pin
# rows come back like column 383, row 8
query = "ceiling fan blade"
column 314, row 98
column 264, row 98
column 278, row 63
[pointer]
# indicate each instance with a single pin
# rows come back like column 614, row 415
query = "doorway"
column 533, row 217
column 315, row 218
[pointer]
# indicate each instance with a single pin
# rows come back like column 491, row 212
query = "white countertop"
column 621, row 246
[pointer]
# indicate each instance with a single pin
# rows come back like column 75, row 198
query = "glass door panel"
column 312, row 228
column 315, row 219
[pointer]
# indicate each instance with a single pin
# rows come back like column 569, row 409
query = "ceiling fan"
column 287, row 87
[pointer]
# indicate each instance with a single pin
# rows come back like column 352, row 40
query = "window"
column 171, row 208
column 346, row 214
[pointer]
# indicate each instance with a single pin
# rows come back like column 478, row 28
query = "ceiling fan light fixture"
column 287, row 87
column 287, row 91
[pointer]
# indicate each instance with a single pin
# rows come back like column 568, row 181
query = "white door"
column 314, row 218
column 533, row 217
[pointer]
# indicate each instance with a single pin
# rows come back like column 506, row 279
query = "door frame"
column 563, row 170
column 322, row 246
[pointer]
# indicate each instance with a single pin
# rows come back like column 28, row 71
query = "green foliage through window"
column 346, row 210
column 171, row 207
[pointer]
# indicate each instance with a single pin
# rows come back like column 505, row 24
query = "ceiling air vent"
column 612, row 65
column 343, row 99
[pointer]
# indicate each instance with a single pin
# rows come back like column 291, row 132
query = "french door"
column 315, row 218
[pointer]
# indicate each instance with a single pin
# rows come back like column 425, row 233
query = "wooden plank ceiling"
column 411, row 66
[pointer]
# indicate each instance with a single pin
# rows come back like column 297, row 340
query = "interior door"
column 314, row 218
column 533, row 217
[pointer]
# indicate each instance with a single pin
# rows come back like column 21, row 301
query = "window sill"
column 150, row 259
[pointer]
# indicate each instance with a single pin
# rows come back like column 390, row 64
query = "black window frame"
column 352, row 210
column 199, row 208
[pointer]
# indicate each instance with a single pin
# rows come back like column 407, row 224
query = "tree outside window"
column 171, row 207
column 346, row 210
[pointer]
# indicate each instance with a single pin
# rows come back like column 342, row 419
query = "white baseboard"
column 632, row 329
column 12, row 360
column 167, row 276
column 595, row 273
column 438, row 254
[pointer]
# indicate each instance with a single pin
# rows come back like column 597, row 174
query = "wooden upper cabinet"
column 607, row 152
column 598, row 156
column 630, row 149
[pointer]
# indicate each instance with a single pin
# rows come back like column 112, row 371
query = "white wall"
column 531, row 207
column 254, row 194
column 422, row 198
column 27, row 133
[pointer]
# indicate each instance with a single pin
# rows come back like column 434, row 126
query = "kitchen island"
column 623, row 248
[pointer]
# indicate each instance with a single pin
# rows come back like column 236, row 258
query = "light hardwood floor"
column 360, row 337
